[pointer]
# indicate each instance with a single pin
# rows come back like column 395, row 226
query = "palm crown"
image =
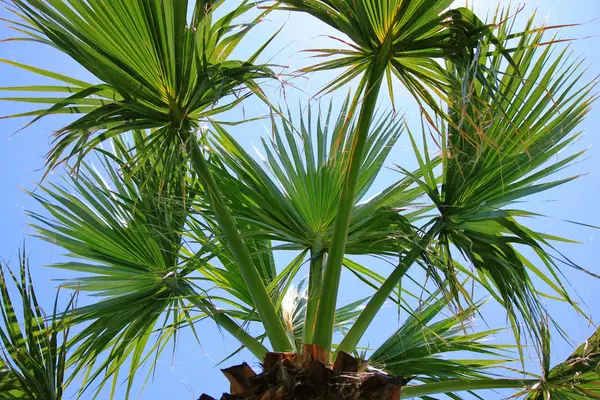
column 181, row 224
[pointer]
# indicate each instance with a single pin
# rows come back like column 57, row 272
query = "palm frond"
column 157, row 68
column 34, row 345
column 159, row 71
column 409, row 37
column 302, row 182
column 576, row 378
column 127, row 238
column 500, row 146
column 302, row 178
column 422, row 348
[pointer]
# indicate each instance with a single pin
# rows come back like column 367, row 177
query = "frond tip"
column 33, row 351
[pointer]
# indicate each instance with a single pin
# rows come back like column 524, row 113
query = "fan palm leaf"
column 159, row 71
column 302, row 183
column 513, row 143
column 166, row 74
column 127, row 238
column 301, row 179
column 576, row 378
column 498, row 147
column 33, row 346
column 403, row 38
column 414, row 350
column 185, row 225
column 573, row 379
column 425, row 349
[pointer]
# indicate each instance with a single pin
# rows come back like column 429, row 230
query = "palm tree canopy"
column 178, row 223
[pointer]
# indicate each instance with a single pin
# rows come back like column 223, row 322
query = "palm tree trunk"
column 288, row 376
column 285, row 378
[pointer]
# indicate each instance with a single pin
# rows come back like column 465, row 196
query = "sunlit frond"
column 126, row 236
column 576, row 378
column 302, row 178
column 33, row 345
column 159, row 67
column 425, row 347
column 500, row 146
column 404, row 38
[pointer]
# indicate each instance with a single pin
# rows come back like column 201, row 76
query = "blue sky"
column 192, row 371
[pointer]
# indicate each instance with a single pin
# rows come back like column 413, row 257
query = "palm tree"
column 181, row 223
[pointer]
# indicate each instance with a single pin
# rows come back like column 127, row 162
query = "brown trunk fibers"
column 286, row 376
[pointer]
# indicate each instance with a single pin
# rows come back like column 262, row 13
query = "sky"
column 192, row 371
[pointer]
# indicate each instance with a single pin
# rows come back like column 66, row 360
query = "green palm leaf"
column 406, row 36
column 576, row 378
column 157, row 68
column 127, row 239
column 444, row 355
column 499, row 147
column 417, row 348
column 159, row 71
column 301, row 180
column 33, row 345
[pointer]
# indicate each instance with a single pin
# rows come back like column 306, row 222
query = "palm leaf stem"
column 264, row 306
column 220, row 318
column 323, row 334
column 364, row 320
column 463, row 385
column 314, row 289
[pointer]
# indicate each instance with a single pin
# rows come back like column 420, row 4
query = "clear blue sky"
column 192, row 371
